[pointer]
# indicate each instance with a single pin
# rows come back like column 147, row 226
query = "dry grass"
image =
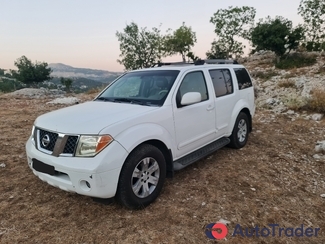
column 317, row 101
column 287, row 84
column 321, row 70
column 277, row 161
column 295, row 102
column 266, row 63
column 264, row 75
column 294, row 72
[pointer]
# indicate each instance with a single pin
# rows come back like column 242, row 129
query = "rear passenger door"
column 225, row 98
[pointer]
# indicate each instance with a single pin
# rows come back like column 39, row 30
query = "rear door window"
column 222, row 82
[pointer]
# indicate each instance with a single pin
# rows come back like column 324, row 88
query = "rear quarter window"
column 243, row 78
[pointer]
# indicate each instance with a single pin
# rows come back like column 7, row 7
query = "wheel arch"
column 152, row 134
column 165, row 151
column 241, row 106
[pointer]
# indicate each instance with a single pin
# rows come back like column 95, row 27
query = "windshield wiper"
column 132, row 101
column 106, row 99
column 125, row 100
column 119, row 100
column 122, row 99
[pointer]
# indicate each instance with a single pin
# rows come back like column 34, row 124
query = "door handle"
column 210, row 107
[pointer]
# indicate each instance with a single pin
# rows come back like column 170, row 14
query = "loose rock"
column 320, row 147
column 65, row 100
column 317, row 117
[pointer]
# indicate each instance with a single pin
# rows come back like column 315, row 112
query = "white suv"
column 141, row 128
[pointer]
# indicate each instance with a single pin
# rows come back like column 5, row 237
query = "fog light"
column 85, row 185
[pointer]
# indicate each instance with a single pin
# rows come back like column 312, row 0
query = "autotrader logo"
column 219, row 231
column 216, row 231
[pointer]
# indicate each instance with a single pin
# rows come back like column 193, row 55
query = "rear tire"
column 142, row 177
column 239, row 136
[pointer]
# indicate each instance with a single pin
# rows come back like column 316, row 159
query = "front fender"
column 135, row 135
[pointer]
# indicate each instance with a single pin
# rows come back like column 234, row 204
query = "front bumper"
column 96, row 176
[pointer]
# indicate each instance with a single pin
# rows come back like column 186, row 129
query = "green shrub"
column 296, row 60
column 9, row 85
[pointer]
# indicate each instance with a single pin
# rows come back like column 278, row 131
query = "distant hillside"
column 79, row 84
column 62, row 70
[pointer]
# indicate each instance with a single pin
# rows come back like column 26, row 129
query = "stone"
column 300, row 82
column 290, row 112
column 272, row 101
column 320, row 146
column 317, row 117
column 319, row 157
column 65, row 100
column 316, row 156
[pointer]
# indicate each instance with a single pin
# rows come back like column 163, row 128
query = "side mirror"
column 191, row 98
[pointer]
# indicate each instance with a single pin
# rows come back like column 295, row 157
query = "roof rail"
column 159, row 64
column 198, row 62
column 215, row 61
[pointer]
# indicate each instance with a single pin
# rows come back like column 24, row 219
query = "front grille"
column 71, row 144
column 47, row 142
column 47, row 139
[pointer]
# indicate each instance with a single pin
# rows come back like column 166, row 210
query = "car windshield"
column 149, row 87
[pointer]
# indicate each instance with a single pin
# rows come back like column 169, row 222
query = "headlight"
column 89, row 146
column 32, row 135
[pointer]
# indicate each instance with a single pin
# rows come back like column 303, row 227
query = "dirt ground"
column 273, row 180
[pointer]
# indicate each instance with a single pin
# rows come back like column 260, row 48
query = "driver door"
column 194, row 123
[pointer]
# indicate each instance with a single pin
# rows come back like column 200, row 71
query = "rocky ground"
column 278, row 178
column 279, row 89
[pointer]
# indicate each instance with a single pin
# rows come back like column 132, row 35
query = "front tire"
column 142, row 177
column 239, row 136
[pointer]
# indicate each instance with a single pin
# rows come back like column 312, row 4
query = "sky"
column 82, row 33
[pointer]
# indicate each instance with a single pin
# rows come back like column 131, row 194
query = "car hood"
column 90, row 117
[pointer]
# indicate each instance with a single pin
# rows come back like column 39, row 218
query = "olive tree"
column 276, row 35
column 231, row 25
column 140, row 47
column 180, row 42
column 313, row 14
column 218, row 51
column 67, row 82
column 31, row 73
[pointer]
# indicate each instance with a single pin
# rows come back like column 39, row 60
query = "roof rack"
column 215, row 61
column 197, row 62
column 159, row 64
